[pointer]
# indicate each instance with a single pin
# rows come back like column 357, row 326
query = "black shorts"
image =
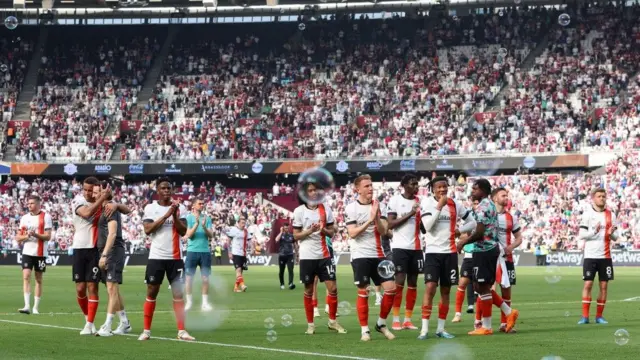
column 85, row 265
column 284, row 259
column 156, row 270
column 441, row 268
column 365, row 271
column 115, row 266
column 604, row 268
column 37, row 263
column 322, row 268
column 408, row 261
column 466, row 270
column 485, row 265
column 511, row 271
column 240, row 262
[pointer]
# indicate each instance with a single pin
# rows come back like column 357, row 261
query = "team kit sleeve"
column 77, row 203
column 392, row 207
column 516, row 224
column 330, row 219
column 585, row 232
column 297, row 218
column 429, row 213
column 350, row 216
column 48, row 222
column 148, row 214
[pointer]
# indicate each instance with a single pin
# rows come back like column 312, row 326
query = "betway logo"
column 51, row 260
column 626, row 257
column 565, row 258
column 259, row 259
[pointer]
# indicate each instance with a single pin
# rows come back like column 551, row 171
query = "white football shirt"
column 368, row 244
column 407, row 236
column 85, row 235
column 314, row 246
column 441, row 224
column 39, row 223
column 239, row 240
column 597, row 245
column 508, row 226
column 165, row 242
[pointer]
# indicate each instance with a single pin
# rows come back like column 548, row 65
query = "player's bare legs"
column 88, row 304
column 112, row 304
column 124, row 327
column 178, row 309
column 463, row 283
column 586, row 302
column 38, row 294
column 412, row 289
column 427, row 308
column 26, row 290
column 188, row 282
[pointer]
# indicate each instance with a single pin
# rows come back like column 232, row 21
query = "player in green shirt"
column 199, row 231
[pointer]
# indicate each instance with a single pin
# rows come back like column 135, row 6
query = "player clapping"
column 440, row 216
column 365, row 224
column 311, row 224
column 597, row 231
column 198, row 253
column 165, row 222
column 35, row 231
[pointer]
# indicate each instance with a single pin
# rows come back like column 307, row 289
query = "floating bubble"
column 552, row 357
column 448, row 351
column 567, row 314
column 200, row 318
column 552, row 274
column 302, row 26
column 4, row 68
column 564, row 19
column 385, row 160
column 372, row 291
column 11, row 22
column 286, row 320
column 281, row 10
column 501, row 13
column 315, row 185
column 480, row 167
column 517, row 2
column 621, row 336
column 386, row 269
column 272, row 336
column 344, row 308
column 51, row 314
column 503, row 52
column 269, row 323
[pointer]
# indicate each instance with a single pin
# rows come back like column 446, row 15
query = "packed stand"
column 353, row 87
column 556, row 106
column 16, row 48
column 223, row 205
column 86, row 86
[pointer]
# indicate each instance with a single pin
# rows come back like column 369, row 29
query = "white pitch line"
column 248, row 347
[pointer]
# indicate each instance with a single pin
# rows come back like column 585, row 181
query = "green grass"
column 543, row 328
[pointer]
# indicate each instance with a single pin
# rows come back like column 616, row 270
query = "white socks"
column 506, row 309
column 205, row 299
column 27, row 300
column 189, row 298
column 425, row 326
column 123, row 317
column 382, row 322
column 486, row 322
column 365, row 329
column 440, row 325
column 109, row 320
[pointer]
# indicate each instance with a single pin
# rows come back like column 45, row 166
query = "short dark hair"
column 407, row 179
column 497, row 190
column 162, row 179
column 91, row 180
column 484, row 185
column 437, row 179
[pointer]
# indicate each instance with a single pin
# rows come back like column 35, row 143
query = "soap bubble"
column 448, row 351
column 219, row 299
column 4, row 68
column 286, row 320
column 272, row 336
column 344, row 308
column 11, row 22
column 315, row 185
column 552, row 274
column 386, row 269
column 564, row 19
column 302, row 26
column 269, row 323
column 621, row 336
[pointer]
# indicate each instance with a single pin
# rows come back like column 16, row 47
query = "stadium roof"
column 192, row 8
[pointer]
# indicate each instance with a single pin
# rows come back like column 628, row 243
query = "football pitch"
column 547, row 326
